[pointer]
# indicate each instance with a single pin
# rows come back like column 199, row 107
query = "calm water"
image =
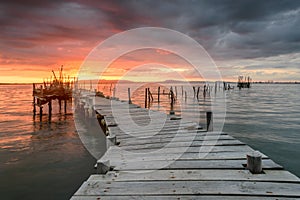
column 48, row 161
column 38, row 160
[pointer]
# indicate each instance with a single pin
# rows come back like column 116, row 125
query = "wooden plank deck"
column 195, row 164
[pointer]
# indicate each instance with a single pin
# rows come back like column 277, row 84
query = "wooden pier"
column 178, row 162
column 59, row 88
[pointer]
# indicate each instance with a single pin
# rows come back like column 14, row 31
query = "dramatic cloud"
column 241, row 36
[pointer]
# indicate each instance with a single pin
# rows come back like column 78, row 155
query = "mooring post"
column 185, row 95
column 129, row 98
column 146, row 97
column 158, row 94
column 209, row 121
column 254, row 162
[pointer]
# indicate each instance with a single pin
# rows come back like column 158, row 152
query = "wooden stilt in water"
column 129, row 97
column 59, row 105
column 34, row 109
column 158, row 94
column 65, row 101
column 146, row 97
column 194, row 89
column 41, row 112
column 181, row 91
column 33, row 103
column 50, row 109
column 216, row 85
column 209, row 121
column 185, row 95
column 198, row 90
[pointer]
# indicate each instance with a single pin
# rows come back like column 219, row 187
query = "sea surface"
column 47, row 160
column 38, row 160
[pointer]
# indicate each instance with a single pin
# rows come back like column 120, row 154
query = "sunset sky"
column 256, row 38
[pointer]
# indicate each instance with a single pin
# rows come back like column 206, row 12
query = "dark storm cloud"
column 227, row 29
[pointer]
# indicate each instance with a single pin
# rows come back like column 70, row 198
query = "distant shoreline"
column 179, row 82
column 15, row 83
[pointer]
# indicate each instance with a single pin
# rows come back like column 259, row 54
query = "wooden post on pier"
column 129, row 97
column 158, row 94
column 146, row 97
column 254, row 162
column 209, row 121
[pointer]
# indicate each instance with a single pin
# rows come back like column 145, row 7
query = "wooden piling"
column 59, row 105
column 65, row 106
column 50, row 109
column 254, row 162
column 194, row 89
column 209, row 121
column 129, row 97
column 158, row 94
column 41, row 112
column 198, row 90
column 181, row 91
column 146, row 97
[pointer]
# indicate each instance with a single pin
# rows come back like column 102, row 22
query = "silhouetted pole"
column 129, row 98
column 146, row 97
column 158, row 94
column 209, row 121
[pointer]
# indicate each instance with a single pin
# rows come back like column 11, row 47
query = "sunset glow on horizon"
column 37, row 38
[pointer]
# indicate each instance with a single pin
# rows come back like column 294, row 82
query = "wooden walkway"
column 177, row 162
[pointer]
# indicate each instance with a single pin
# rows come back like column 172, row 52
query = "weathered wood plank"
column 184, row 156
column 207, row 174
column 179, row 197
column 188, row 164
column 190, row 188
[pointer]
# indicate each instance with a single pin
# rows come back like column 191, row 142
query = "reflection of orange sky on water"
column 23, row 140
